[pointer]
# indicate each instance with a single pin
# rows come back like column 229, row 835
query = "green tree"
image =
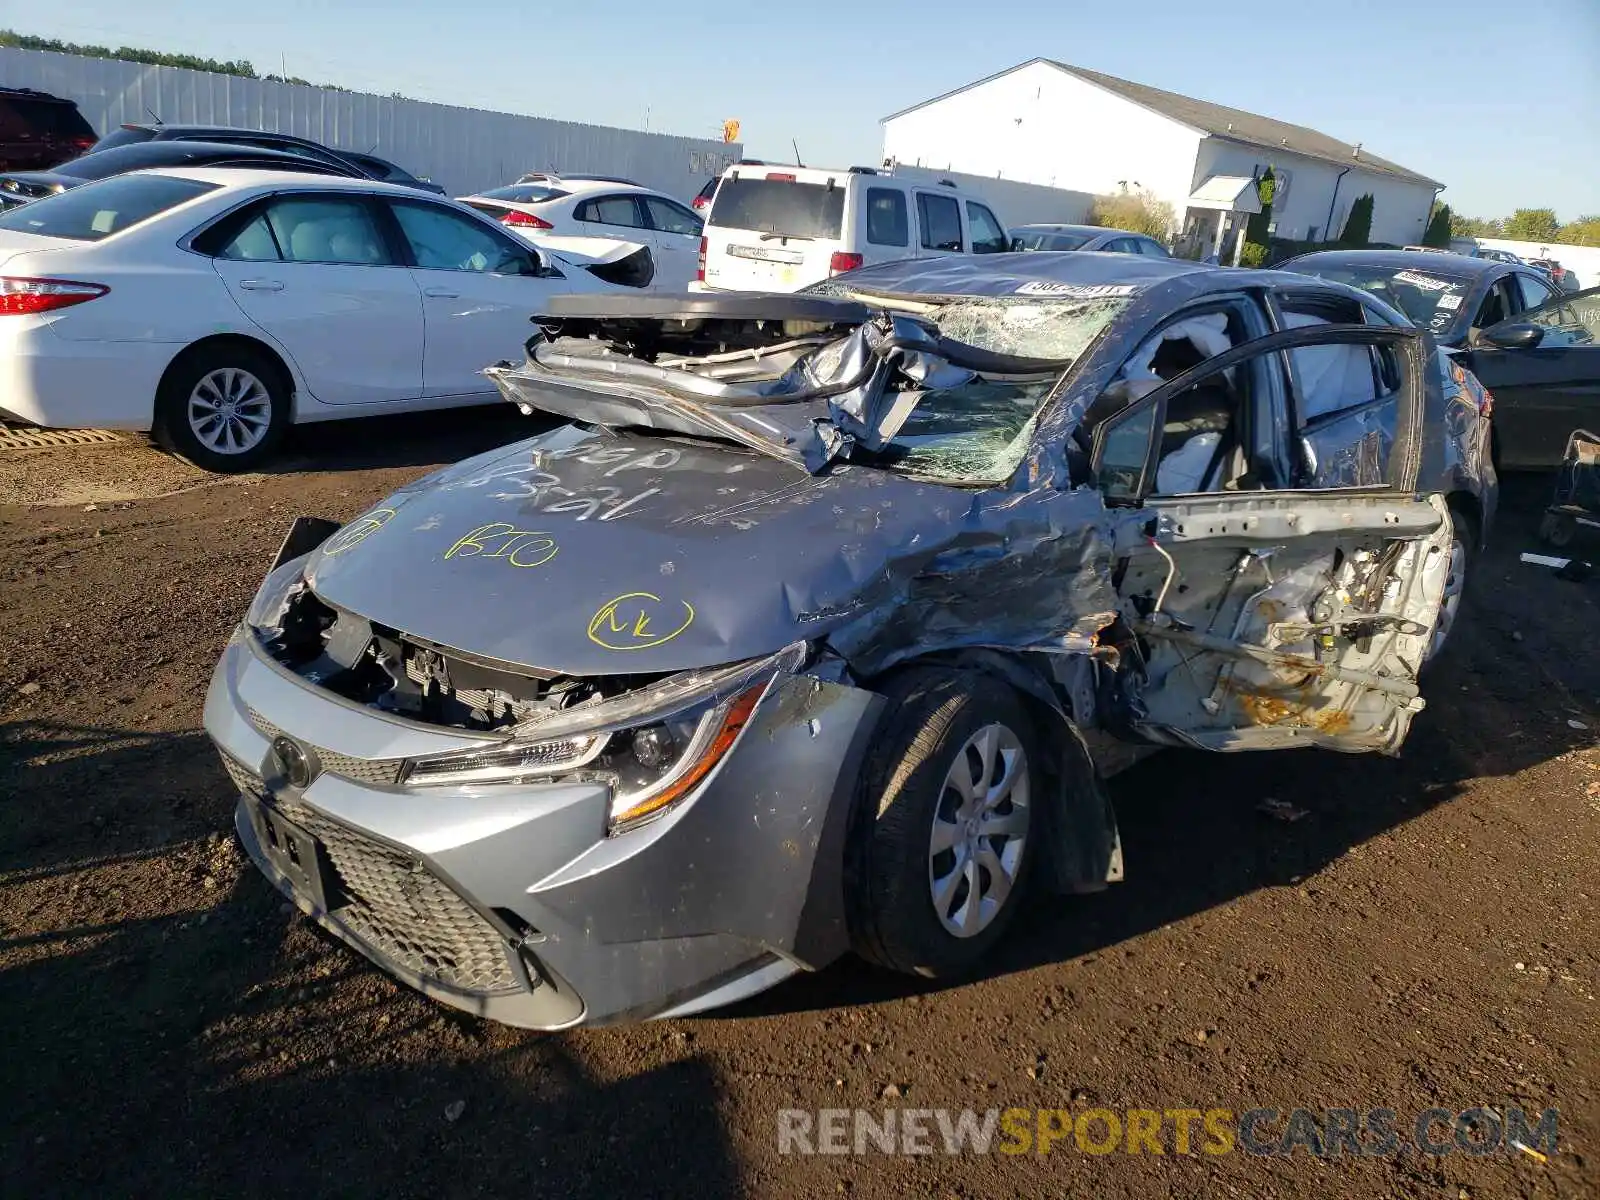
column 1585, row 231
column 1532, row 225
column 1137, row 212
column 153, row 58
column 1358, row 226
column 1438, row 232
column 1462, row 225
column 1257, row 230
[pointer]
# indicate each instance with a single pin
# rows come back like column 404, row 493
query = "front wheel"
column 948, row 823
column 223, row 408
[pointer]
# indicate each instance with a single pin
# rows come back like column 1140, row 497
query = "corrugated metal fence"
column 462, row 149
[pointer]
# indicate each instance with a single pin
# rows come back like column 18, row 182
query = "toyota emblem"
column 297, row 767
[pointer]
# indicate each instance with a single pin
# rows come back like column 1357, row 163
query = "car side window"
column 1347, row 403
column 327, row 229
column 1204, row 433
column 1150, row 248
column 1121, row 246
column 671, row 218
column 887, row 220
column 940, row 218
column 1568, row 320
column 1534, row 293
column 987, row 236
column 442, row 240
column 252, row 243
column 1354, row 446
column 1498, row 305
column 611, row 210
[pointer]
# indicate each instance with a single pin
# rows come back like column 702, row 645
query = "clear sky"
column 1500, row 100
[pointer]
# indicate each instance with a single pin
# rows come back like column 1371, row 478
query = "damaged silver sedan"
column 804, row 634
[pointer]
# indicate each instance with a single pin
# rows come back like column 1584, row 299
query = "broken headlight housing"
column 652, row 747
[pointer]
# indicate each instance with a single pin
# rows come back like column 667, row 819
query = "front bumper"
column 510, row 901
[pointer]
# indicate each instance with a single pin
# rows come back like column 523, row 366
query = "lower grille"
column 390, row 900
column 379, row 772
column 405, row 912
column 243, row 777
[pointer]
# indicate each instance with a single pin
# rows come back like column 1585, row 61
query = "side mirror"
column 1514, row 335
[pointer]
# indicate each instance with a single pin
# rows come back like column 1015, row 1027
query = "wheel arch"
column 1083, row 850
column 286, row 374
column 1468, row 503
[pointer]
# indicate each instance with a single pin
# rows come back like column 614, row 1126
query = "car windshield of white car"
column 1432, row 299
column 524, row 193
column 97, row 210
column 779, row 207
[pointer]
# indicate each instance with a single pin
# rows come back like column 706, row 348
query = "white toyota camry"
column 214, row 308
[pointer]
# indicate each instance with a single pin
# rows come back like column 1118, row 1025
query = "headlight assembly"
column 652, row 747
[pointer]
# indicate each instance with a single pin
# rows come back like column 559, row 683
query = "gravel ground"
column 1426, row 935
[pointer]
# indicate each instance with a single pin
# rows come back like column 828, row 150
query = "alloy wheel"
column 979, row 830
column 229, row 411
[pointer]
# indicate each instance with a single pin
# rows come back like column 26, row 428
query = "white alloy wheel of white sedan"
column 555, row 211
column 214, row 308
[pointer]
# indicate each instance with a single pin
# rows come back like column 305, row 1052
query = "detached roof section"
column 1217, row 120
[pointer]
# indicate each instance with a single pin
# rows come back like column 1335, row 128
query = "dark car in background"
column 21, row 187
column 1085, row 237
column 38, row 130
column 367, row 163
column 1531, row 345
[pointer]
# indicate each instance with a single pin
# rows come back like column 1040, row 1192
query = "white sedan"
column 554, row 211
column 214, row 308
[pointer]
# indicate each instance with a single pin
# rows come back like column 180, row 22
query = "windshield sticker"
column 638, row 621
column 519, row 547
column 1440, row 322
column 1078, row 291
column 1426, row 282
column 357, row 531
column 1450, row 300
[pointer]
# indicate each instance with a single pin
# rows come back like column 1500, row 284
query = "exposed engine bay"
column 404, row 675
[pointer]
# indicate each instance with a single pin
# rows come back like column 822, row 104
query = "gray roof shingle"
column 1222, row 121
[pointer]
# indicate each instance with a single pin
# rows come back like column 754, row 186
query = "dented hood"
column 588, row 553
column 591, row 553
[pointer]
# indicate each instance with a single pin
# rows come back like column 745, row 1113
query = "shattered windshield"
column 943, row 387
column 978, row 431
column 1432, row 299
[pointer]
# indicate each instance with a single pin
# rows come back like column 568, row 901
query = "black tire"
column 933, row 714
column 1557, row 529
column 1468, row 537
column 172, row 428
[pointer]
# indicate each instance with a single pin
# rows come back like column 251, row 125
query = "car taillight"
column 24, row 297
column 522, row 220
column 700, row 269
column 81, row 143
column 700, row 202
column 780, row 178
column 841, row 262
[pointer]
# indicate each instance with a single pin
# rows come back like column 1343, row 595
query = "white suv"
column 776, row 228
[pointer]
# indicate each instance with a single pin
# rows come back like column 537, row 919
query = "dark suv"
column 369, row 165
column 38, row 130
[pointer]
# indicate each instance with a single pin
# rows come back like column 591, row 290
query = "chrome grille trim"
column 376, row 772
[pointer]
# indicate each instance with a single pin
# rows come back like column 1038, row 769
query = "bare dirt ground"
column 1426, row 936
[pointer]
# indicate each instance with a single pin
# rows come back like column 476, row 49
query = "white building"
column 1047, row 122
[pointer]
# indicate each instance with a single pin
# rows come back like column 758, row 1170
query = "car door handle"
column 441, row 293
column 261, row 285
